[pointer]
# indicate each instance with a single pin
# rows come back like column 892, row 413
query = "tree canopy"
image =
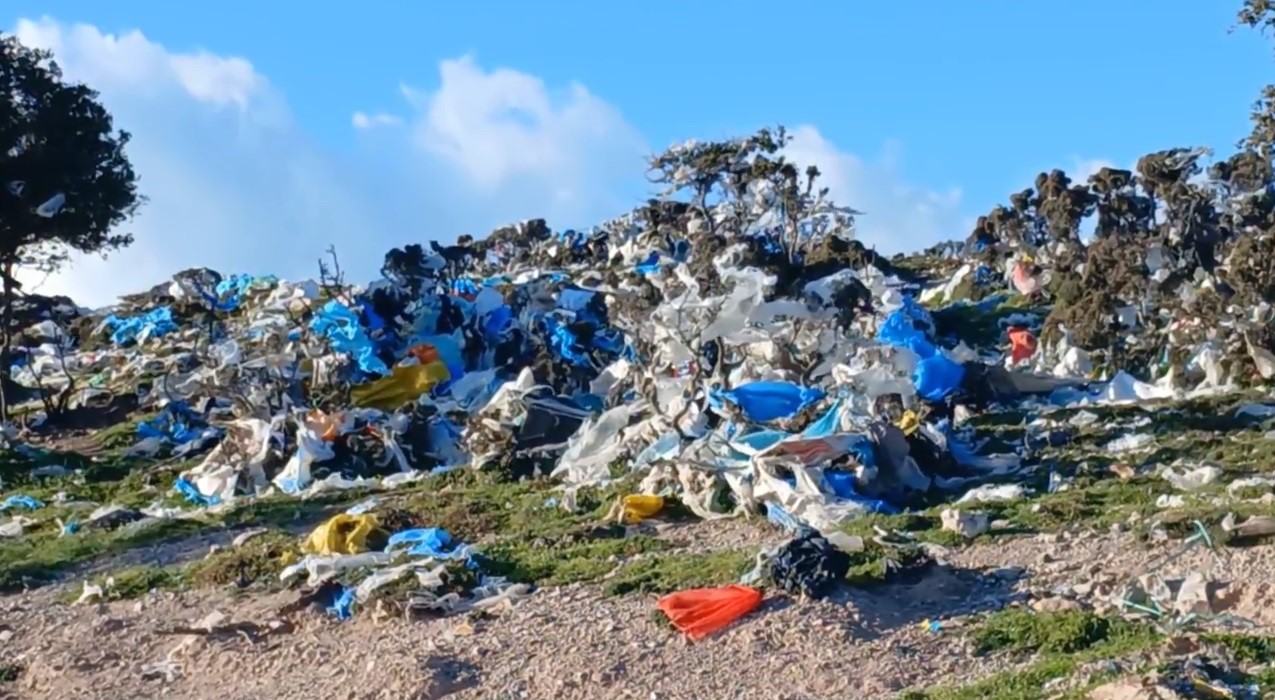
column 66, row 183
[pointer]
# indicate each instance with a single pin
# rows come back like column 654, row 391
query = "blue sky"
column 976, row 96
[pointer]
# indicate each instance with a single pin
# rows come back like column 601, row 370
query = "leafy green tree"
column 65, row 181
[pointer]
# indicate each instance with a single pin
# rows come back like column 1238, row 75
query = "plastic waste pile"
column 727, row 367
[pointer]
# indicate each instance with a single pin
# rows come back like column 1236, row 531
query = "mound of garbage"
column 728, row 346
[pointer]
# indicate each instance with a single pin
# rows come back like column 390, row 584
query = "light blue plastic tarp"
column 433, row 542
column 341, row 327
column 156, row 322
column 828, row 424
column 762, row 402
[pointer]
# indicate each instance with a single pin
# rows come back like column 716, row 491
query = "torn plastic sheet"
column 763, row 402
column 242, row 453
column 1122, row 389
column 318, row 568
column 597, row 444
column 311, row 448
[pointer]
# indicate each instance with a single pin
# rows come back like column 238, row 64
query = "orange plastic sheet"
column 424, row 353
column 325, row 426
column 1022, row 344
column 700, row 612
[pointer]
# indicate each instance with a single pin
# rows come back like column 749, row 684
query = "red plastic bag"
column 1022, row 344
column 700, row 612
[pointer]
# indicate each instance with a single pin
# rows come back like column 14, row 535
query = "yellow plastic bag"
column 343, row 534
column 908, row 423
column 404, row 385
column 639, row 507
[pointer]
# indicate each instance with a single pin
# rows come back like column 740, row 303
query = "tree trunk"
column 6, row 321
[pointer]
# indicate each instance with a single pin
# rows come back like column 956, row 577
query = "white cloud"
column 504, row 124
column 897, row 216
column 236, row 184
column 362, row 120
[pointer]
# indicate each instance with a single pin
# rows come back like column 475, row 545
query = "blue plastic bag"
column 937, row 376
column 340, row 325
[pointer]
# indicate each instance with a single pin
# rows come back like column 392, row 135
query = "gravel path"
column 572, row 642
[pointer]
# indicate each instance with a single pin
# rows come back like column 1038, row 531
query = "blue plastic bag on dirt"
column 433, row 542
column 342, row 605
column 154, row 323
column 340, row 325
column 464, row 288
column 937, row 376
column 19, row 500
column 762, row 402
column 192, row 494
column 235, row 285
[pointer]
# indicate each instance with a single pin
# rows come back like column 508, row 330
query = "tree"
column 65, row 181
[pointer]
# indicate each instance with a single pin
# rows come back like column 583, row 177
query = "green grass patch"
column 1062, row 643
column 676, row 571
column 1065, row 642
column 133, row 582
column 557, row 564
column 35, row 560
column 1019, row 630
column 258, row 560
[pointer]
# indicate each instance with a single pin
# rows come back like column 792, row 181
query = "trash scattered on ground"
column 688, row 360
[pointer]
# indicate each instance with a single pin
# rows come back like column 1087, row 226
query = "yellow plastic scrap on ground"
column 908, row 422
column 405, row 384
column 639, row 507
column 343, row 534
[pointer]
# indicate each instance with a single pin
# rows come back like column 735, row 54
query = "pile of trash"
column 744, row 357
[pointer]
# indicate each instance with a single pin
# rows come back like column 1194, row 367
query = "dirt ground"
column 574, row 642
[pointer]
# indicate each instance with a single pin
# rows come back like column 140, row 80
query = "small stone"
column 1117, row 528
column 968, row 524
column 1182, row 645
column 1053, row 605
